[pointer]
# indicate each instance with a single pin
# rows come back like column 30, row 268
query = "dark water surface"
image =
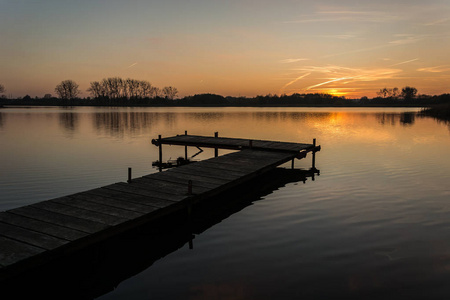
column 374, row 225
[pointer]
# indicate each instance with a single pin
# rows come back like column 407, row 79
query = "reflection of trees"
column 121, row 123
column 69, row 121
column 206, row 116
column 404, row 119
column 275, row 116
column 1, row 119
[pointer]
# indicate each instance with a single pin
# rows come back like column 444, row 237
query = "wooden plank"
column 104, row 207
column 182, row 190
column 116, row 199
column 174, row 188
column 31, row 237
column 206, row 181
column 207, row 173
column 131, row 197
column 42, row 227
column 79, row 213
column 13, row 251
column 59, row 219
column 169, row 177
column 129, row 188
column 145, row 196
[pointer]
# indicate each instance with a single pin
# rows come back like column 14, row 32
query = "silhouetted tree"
column 409, row 93
column 388, row 93
column 2, row 88
column 67, row 89
column 169, row 92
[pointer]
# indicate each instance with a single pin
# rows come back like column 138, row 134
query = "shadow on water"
column 99, row 269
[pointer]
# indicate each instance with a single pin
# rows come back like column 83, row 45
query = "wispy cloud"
column 292, row 60
column 404, row 62
column 437, row 69
column 347, row 15
column 333, row 74
column 438, row 22
column 295, row 80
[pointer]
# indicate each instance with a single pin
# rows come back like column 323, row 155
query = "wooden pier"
column 36, row 234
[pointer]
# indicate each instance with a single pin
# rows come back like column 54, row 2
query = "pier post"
column 216, row 150
column 292, row 166
column 314, row 155
column 160, row 153
column 250, row 144
column 185, row 148
column 190, row 187
column 129, row 175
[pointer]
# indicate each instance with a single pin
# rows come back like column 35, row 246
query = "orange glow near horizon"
column 226, row 48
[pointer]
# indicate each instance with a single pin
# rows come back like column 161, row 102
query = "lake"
column 375, row 224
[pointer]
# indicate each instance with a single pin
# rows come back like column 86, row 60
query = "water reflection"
column 69, row 121
column 1, row 119
column 404, row 119
column 99, row 269
column 122, row 123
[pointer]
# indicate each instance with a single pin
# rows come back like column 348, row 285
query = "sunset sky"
column 232, row 48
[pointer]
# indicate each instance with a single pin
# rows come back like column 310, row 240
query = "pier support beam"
column 314, row 155
column 216, row 150
column 185, row 149
column 129, row 175
column 160, row 152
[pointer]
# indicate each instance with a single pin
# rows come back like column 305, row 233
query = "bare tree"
column 67, row 89
column 409, row 93
column 2, row 88
column 169, row 92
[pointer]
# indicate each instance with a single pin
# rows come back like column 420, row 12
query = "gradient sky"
column 234, row 47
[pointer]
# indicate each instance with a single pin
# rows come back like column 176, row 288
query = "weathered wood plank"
column 59, row 219
column 42, row 227
column 120, row 199
column 152, row 203
column 13, row 251
column 142, row 197
column 30, row 237
column 204, row 179
column 103, row 207
column 172, row 177
column 129, row 188
column 170, row 187
column 79, row 213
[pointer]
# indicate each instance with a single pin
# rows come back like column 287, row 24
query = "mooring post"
column 160, row 152
column 292, row 166
column 250, row 144
column 185, row 148
column 216, row 150
column 129, row 175
column 314, row 155
column 190, row 187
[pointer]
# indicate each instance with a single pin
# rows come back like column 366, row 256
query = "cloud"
column 292, row 60
column 438, row 22
column 347, row 15
column 295, row 80
column 404, row 62
column 346, row 75
column 437, row 69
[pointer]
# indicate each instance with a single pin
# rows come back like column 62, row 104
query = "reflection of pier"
column 100, row 268
column 44, row 232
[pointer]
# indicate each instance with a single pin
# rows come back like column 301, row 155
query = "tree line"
column 116, row 88
column 115, row 91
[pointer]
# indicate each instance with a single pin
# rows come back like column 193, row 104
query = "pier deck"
column 35, row 234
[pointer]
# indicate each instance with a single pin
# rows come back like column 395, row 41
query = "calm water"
column 374, row 224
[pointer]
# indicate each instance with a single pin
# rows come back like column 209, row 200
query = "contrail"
column 404, row 62
column 132, row 65
column 295, row 80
